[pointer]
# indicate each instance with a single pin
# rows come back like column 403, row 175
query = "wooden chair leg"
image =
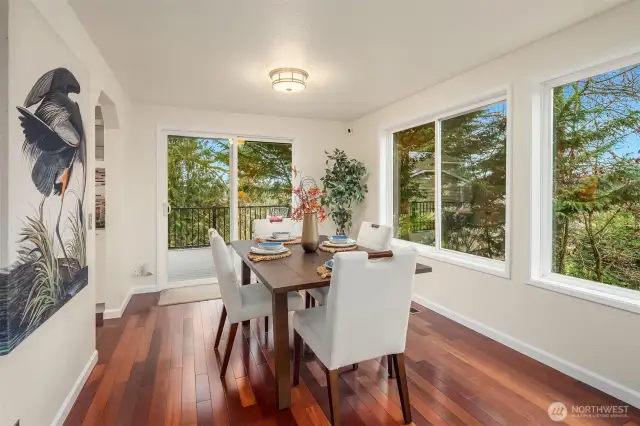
column 297, row 356
column 390, row 365
column 223, row 318
column 403, row 388
column 229, row 348
column 266, row 325
column 334, row 396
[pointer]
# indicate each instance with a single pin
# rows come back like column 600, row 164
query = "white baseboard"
column 190, row 283
column 608, row 386
column 65, row 409
column 142, row 289
column 117, row 313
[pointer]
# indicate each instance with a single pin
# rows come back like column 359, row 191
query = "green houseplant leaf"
column 344, row 187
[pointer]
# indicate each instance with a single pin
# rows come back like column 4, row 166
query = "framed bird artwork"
column 52, row 261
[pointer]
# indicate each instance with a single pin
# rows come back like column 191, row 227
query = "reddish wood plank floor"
column 157, row 366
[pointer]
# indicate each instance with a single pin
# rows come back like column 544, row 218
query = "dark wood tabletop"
column 296, row 272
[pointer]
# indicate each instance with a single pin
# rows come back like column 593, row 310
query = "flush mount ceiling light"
column 288, row 79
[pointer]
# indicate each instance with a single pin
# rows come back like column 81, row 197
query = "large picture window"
column 450, row 182
column 595, row 135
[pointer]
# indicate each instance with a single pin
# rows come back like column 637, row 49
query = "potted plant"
column 344, row 187
column 309, row 210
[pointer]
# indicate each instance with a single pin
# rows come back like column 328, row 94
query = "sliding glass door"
column 216, row 182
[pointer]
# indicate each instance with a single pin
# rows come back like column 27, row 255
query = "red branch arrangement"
column 308, row 196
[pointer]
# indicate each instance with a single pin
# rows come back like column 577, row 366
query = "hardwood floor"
column 157, row 367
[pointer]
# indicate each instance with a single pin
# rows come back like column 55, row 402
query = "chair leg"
column 390, row 365
column 229, row 348
column 223, row 318
column 334, row 396
column 403, row 388
column 313, row 302
column 297, row 356
column 307, row 300
column 266, row 325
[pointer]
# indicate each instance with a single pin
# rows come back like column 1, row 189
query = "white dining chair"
column 375, row 237
column 371, row 236
column 265, row 227
column 347, row 330
column 240, row 303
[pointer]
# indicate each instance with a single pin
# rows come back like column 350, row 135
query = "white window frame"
column 542, row 194
column 489, row 266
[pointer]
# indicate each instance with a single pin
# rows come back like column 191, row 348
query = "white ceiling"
column 360, row 54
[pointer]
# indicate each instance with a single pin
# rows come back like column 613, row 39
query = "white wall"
column 310, row 139
column 594, row 337
column 37, row 377
column 62, row 17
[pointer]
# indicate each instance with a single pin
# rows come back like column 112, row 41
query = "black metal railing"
column 189, row 226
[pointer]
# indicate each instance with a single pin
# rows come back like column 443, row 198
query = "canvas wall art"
column 101, row 201
column 51, row 266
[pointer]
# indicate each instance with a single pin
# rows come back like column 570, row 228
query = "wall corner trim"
column 117, row 313
column 608, row 386
column 65, row 409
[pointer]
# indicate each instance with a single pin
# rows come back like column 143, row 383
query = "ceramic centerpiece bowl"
column 270, row 245
column 281, row 235
column 339, row 239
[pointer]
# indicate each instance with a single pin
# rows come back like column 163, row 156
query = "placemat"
column 337, row 249
column 286, row 243
column 323, row 271
column 260, row 257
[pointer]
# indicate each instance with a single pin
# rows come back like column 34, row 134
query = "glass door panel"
column 198, row 189
column 264, row 182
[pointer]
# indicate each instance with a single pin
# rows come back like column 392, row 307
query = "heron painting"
column 52, row 265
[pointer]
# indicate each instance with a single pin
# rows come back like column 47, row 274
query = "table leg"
column 281, row 350
column 245, row 278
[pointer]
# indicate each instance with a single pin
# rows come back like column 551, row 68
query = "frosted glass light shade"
column 288, row 79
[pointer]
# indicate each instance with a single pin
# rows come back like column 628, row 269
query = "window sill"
column 486, row 266
column 569, row 288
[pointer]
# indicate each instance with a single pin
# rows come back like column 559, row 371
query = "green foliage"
column 197, row 176
column 344, row 187
column 264, row 173
column 77, row 245
column 36, row 248
column 414, row 159
column 199, row 179
column 597, row 178
column 474, row 171
column 473, row 182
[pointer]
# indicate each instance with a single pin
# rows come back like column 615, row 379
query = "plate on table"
column 258, row 250
column 329, row 264
column 346, row 243
column 282, row 239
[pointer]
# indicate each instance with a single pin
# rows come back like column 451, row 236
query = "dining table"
column 281, row 276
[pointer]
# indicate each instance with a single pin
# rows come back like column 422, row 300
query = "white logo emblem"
column 557, row 411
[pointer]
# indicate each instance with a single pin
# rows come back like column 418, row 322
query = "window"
column 595, row 213
column 414, row 195
column 449, row 183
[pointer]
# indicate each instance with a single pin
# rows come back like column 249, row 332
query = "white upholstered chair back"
column 368, row 305
column 226, row 273
column 374, row 237
column 264, row 227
